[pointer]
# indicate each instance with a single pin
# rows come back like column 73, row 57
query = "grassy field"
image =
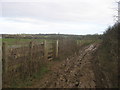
column 87, row 42
column 14, row 41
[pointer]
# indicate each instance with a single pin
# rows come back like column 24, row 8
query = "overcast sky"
column 56, row 16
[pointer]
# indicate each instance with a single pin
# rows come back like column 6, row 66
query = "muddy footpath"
column 78, row 71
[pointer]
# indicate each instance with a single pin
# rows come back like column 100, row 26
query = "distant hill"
column 52, row 36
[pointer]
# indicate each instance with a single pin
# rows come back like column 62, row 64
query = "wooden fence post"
column 30, row 50
column 0, row 61
column 5, row 63
column 56, row 54
column 4, row 57
column 45, row 50
column 29, row 62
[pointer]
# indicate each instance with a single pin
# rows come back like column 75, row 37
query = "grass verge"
column 28, row 81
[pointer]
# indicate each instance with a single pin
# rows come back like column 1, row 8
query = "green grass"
column 11, row 41
column 14, row 41
column 87, row 42
column 28, row 81
column 0, row 39
column 42, row 71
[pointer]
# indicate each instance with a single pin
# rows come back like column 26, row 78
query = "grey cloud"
column 95, row 13
column 71, row 11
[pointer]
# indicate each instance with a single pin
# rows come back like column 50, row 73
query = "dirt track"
column 78, row 71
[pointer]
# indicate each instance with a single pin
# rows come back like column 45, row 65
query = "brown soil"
column 77, row 71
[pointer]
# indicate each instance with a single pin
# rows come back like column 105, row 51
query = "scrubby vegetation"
column 69, row 45
column 108, row 55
